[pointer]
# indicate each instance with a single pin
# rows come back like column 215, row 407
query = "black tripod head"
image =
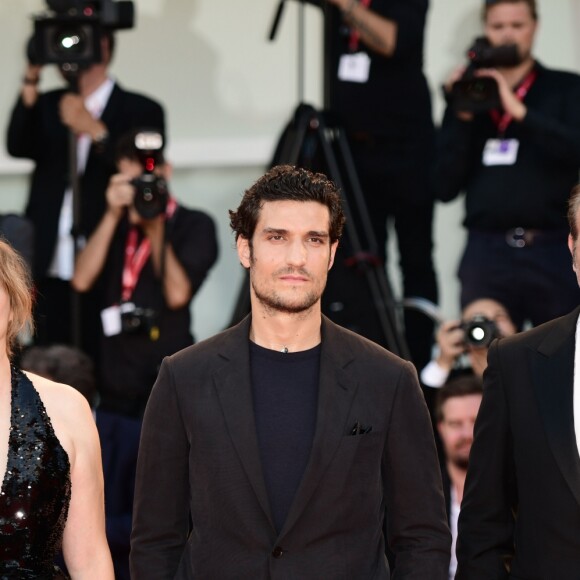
column 280, row 11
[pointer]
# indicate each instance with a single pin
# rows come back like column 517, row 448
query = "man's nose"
column 296, row 254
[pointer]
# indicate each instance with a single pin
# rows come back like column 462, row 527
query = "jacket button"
column 277, row 552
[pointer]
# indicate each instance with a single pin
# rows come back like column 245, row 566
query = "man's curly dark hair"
column 287, row 183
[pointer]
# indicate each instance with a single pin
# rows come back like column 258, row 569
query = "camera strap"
column 503, row 121
column 136, row 255
column 354, row 38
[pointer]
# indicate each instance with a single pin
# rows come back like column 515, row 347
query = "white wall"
column 228, row 92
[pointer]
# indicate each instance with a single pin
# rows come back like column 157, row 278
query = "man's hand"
column 119, row 194
column 30, row 85
column 509, row 101
column 76, row 117
column 448, row 88
column 451, row 342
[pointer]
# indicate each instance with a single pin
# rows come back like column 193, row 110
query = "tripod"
column 358, row 294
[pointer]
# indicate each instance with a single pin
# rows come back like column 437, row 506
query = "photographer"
column 39, row 129
column 481, row 321
column 152, row 256
column 380, row 95
column 517, row 164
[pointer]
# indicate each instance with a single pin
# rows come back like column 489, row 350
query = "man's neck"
column 286, row 332
column 515, row 75
column 457, row 476
column 91, row 79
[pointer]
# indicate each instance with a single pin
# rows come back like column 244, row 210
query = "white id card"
column 111, row 320
column 354, row 67
column 500, row 152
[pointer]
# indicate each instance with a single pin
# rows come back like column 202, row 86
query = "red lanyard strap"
column 354, row 37
column 137, row 256
column 503, row 121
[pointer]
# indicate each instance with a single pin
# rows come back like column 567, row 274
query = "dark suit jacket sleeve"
column 417, row 527
column 486, row 521
column 161, row 509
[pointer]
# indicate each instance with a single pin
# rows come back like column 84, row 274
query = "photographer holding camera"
column 515, row 151
column 481, row 322
column 380, row 94
column 96, row 110
column 151, row 255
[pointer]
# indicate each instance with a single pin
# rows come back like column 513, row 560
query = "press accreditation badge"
column 111, row 320
column 500, row 152
column 354, row 67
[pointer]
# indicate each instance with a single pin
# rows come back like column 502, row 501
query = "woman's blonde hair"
column 16, row 280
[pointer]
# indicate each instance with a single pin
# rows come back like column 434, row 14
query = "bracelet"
column 29, row 81
column 347, row 11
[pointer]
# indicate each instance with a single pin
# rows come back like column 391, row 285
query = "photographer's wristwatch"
column 101, row 138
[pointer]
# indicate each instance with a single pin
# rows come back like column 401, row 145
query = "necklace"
column 280, row 347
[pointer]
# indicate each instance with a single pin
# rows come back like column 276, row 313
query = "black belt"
column 524, row 237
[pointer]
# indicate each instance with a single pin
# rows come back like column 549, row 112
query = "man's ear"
column 333, row 248
column 244, row 252
column 572, row 248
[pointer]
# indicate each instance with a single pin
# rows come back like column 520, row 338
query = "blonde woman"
column 50, row 463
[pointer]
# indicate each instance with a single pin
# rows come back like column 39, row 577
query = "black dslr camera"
column 475, row 94
column 480, row 331
column 151, row 193
column 69, row 33
column 135, row 320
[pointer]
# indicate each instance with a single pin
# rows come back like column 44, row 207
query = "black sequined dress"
column 35, row 493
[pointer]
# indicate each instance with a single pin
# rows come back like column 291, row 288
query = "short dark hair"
column 458, row 387
column 286, row 182
column 530, row 3
column 573, row 210
column 63, row 364
column 125, row 147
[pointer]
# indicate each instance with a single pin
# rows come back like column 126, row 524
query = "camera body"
column 480, row 331
column 474, row 94
column 70, row 32
column 151, row 192
column 136, row 320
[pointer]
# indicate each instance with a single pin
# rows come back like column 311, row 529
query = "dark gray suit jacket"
column 522, row 494
column 199, row 456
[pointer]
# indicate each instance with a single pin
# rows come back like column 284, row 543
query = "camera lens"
column 69, row 42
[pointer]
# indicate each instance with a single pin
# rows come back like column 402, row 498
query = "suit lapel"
column 232, row 382
column 552, row 365
column 335, row 395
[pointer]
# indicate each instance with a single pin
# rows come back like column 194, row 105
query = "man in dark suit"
column 520, row 516
column 39, row 129
column 273, row 449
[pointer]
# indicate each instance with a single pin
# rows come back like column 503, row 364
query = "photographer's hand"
column 90, row 261
column 376, row 32
column 30, row 82
column 450, row 339
column 510, row 102
column 119, row 195
column 478, row 359
column 448, row 88
column 77, row 118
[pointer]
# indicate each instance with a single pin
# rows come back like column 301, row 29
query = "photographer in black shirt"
column 517, row 165
column 152, row 255
column 381, row 97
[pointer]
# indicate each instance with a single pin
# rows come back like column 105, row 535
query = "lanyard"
column 503, row 121
column 354, row 37
column 136, row 256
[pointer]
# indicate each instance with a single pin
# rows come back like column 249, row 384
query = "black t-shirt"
column 130, row 362
column 285, row 395
column 395, row 100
